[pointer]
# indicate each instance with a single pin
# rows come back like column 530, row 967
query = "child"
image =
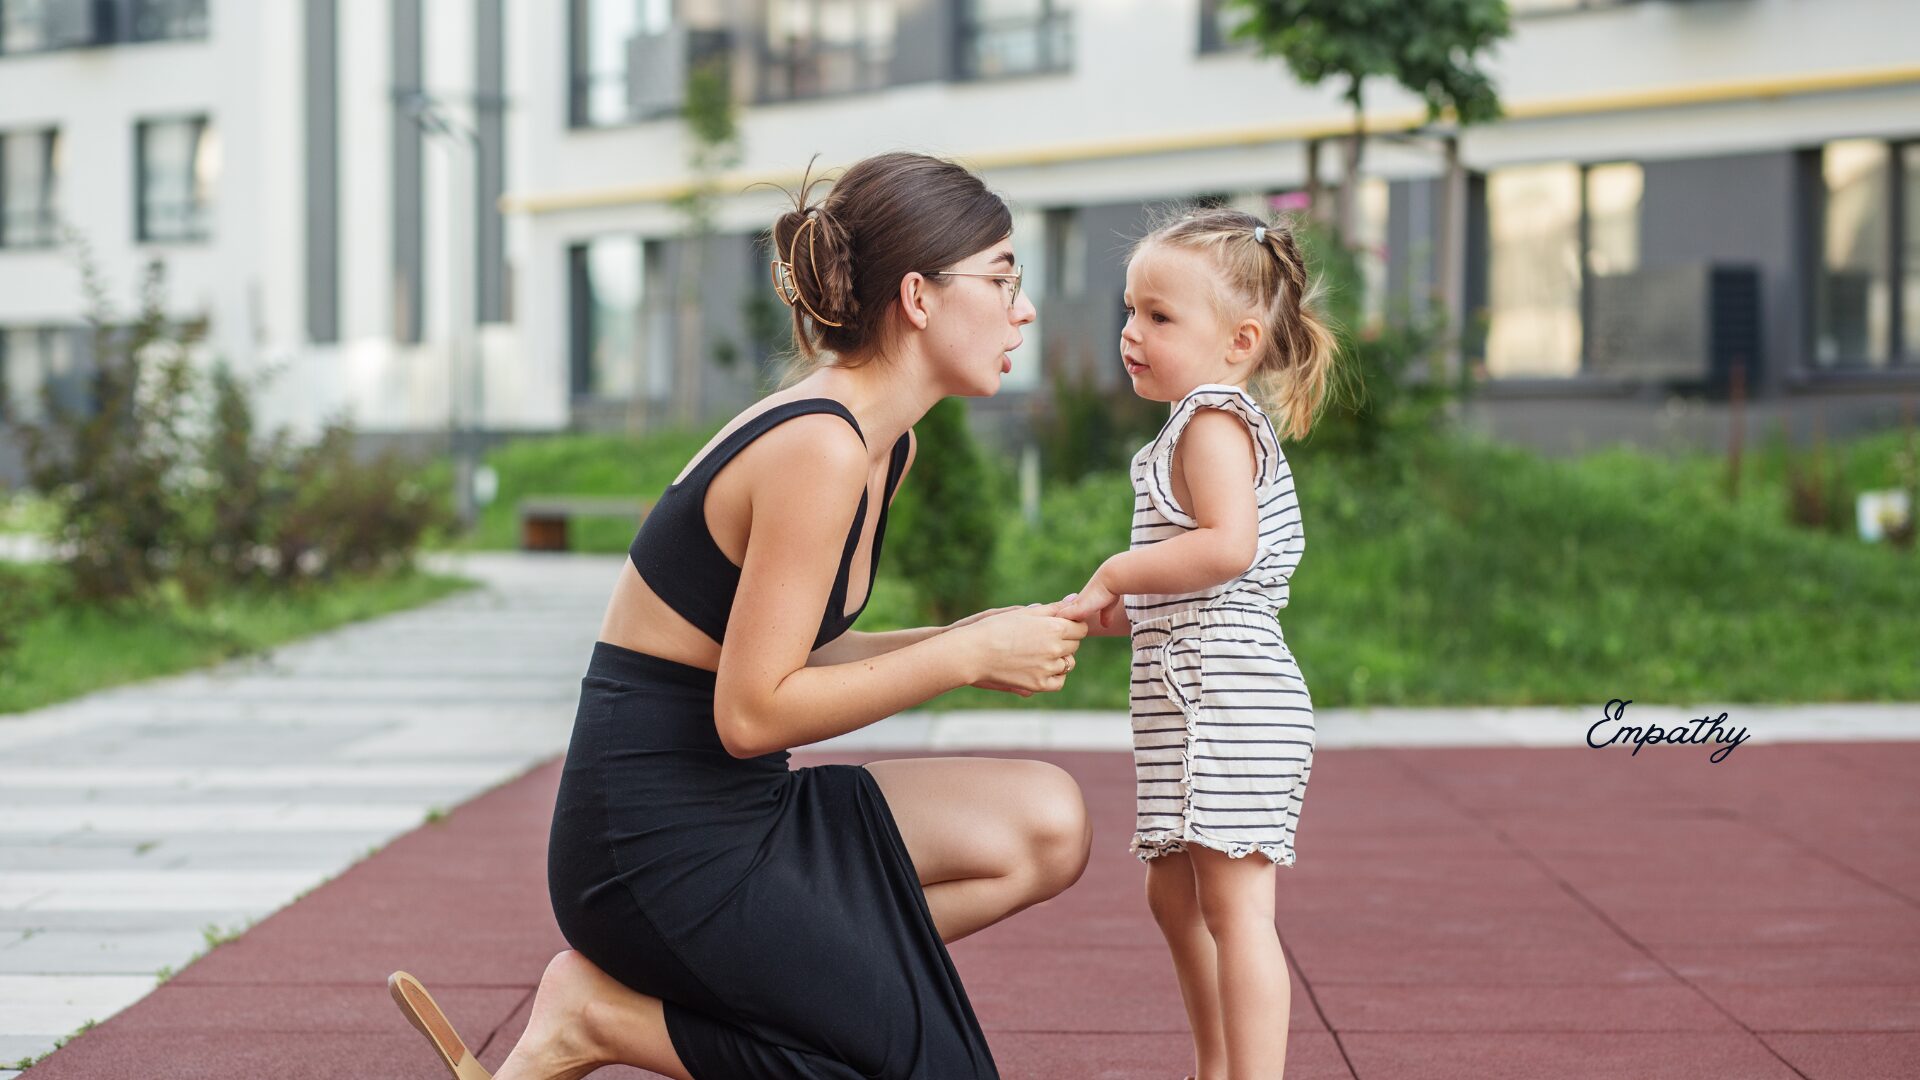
column 1217, row 302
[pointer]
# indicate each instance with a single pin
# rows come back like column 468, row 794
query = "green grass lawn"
column 598, row 465
column 1456, row 572
column 64, row 651
column 21, row 512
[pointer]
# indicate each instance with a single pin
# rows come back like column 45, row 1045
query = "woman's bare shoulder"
column 816, row 454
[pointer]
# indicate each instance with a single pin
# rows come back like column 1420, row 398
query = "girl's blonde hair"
column 1259, row 267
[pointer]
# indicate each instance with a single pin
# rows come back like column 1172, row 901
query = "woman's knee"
column 1060, row 835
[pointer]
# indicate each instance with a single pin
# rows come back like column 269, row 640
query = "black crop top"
column 677, row 558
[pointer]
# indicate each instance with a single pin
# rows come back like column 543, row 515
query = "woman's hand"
column 1023, row 650
column 978, row 615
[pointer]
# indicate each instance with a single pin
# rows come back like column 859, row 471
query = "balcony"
column 37, row 26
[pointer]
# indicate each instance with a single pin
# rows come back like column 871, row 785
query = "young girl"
column 1220, row 320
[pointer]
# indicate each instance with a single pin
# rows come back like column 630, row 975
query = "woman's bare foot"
column 558, row 1043
column 584, row 1018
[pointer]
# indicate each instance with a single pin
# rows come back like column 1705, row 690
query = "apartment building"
column 425, row 212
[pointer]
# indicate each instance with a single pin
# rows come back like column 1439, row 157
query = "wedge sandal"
column 422, row 1013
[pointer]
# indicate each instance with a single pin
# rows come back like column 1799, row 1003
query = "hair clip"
column 786, row 286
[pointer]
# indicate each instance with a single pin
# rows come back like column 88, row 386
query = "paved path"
column 134, row 820
column 1480, row 914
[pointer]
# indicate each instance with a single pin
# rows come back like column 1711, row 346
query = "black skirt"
column 775, row 911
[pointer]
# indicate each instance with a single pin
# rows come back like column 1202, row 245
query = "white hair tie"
column 1259, row 234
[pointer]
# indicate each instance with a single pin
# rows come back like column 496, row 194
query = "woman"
column 730, row 916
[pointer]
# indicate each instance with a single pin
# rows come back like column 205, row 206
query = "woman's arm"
column 858, row 645
column 861, row 645
column 767, row 697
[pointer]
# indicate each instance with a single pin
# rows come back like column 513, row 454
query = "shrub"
column 942, row 528
column 163, row 484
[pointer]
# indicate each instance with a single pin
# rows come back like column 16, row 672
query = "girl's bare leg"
column 1175, row 903
column 1236, row 901
column 988, row 836
column 582, row 1019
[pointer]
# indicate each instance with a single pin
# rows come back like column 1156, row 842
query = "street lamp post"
column 464, row 369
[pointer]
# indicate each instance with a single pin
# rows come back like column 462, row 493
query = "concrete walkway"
column 141, row 824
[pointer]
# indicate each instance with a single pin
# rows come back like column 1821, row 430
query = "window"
column 1910, row 261
column 29, row 178
column 1015, row 37
column 31, row 357
column 1613, row 218
column 816, row 47
column 1866, row 306
column 1550, row 227
column 1535, row 7
column 1218, row 19
column 38, row 25
column 622, row 344
column 179, row 166
column 1371, row 254
column 629, row 59
column 601, row 32
column 168, row 20
column 23, row 26
column 1065, row 254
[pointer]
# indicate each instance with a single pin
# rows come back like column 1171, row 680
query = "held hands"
column 1096, row 604
column 1022, row 650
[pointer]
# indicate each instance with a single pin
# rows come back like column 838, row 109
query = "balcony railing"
column 31, row 227
column 1031, row 45
column 32, row 26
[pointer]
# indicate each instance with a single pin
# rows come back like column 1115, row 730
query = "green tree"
column 1431, row 47
column 941, row 529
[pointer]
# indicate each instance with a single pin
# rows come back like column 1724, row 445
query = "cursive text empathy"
column 1705, row 729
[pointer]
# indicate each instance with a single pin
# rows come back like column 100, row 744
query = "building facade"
column 319, row 178
column 424, row 209
column 1680, row 188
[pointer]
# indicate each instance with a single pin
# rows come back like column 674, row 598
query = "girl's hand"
column 1095, row 604
column 1024, row 650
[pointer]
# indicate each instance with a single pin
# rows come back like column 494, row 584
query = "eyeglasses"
column 1018, row 272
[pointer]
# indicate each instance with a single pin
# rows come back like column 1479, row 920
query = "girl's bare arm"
column 1215, row 458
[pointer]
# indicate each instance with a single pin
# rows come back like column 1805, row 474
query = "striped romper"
column 1222, row 722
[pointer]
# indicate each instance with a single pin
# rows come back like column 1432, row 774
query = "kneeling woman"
column 729, row 916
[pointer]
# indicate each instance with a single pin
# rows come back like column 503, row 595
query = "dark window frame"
column 653, row 272
column 1213, row 38
column 201, row 230
column 48, row 210
column 114, row 22
column 768, row 59
column 179, row 20
column 1480, row 270
column 1053, row 14
column 1900, row 361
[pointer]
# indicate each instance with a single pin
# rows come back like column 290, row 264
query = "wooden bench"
column 543, row 519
